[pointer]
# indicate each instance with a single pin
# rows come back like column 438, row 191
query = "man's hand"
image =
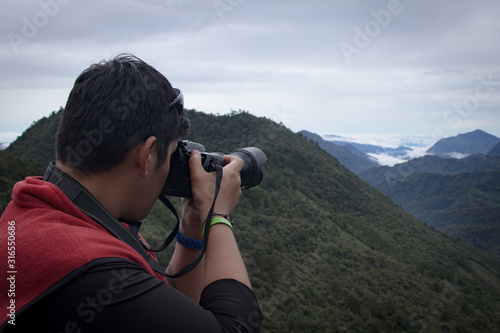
column 203, row 188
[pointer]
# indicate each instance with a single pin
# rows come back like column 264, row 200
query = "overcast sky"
column 426, row 68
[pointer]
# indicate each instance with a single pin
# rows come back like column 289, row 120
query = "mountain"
column 12, row 170
column 399, row 152
column 443, row 193
column 326, row 252
column 348, row 155
column 495, row 151
column 464, row 205
column 430, row 164
column 34, row 144
column 476, row 142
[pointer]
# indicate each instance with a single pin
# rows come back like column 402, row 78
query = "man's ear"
column 145, row 155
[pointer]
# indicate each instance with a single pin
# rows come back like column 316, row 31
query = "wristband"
column 190, row 243
column 218, row 219
column 226, row 216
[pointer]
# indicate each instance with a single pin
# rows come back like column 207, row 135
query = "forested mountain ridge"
column 430, row 164
column 352, row 158
column 464, row 205
column 460, row 197
column 471, row 143
column 36, row 144
column 12, row 170
column 328, row 253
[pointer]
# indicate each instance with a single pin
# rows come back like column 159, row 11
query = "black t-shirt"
column 117, row 295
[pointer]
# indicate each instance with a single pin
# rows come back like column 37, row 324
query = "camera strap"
column 91, row 207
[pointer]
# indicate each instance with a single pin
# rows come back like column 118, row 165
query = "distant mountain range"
column 460, row 146
column 348, row 155
column 463, row 145
column 430, row 164
column 364, row 156
column 459, row 196
column 463, row 205
column 400, row 152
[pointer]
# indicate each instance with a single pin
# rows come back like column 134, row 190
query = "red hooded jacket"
column 47, row 237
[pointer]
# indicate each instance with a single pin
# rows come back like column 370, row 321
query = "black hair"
column 113, row 106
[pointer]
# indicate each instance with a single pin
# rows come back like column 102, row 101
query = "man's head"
column 113, row 106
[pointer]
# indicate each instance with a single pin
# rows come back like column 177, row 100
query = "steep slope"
column 349, row 156
column 443, row 193
column 36, row 144
column 328, row 253
column 476, row 142
column 495, row 151
column 466, row 205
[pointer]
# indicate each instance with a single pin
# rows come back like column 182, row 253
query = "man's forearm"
column 191, row 283
column 223, row 259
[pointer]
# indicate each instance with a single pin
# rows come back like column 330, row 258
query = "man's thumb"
column 194, row 160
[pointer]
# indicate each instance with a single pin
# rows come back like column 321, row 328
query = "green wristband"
column 218, row 219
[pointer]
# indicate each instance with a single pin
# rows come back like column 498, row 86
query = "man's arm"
column 222, row 259
column 191, row 283
column 116, row 295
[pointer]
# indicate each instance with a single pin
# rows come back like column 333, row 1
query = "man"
column 118, row 131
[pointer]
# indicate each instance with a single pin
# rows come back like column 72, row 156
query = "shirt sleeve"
column 120, row 296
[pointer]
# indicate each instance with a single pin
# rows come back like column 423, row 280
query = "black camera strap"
column 89, row 205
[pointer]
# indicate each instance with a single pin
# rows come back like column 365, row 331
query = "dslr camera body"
column 178, row 182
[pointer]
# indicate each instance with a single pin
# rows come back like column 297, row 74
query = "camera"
column 178, row 182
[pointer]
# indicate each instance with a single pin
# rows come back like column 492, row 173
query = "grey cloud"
column 429, row 53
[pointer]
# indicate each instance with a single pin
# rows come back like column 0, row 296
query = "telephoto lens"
column 251, row 173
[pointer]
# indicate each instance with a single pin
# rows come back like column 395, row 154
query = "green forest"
column 460, row 197
column 465, row 205
column 325, row 251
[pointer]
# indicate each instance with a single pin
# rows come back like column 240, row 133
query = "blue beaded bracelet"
column 190, row 243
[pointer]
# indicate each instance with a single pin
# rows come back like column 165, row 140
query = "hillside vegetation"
column 328, row 253
column 36, row 144
column 12, row 170
column 465, row 205
column 352, row 158
column 460, row 197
